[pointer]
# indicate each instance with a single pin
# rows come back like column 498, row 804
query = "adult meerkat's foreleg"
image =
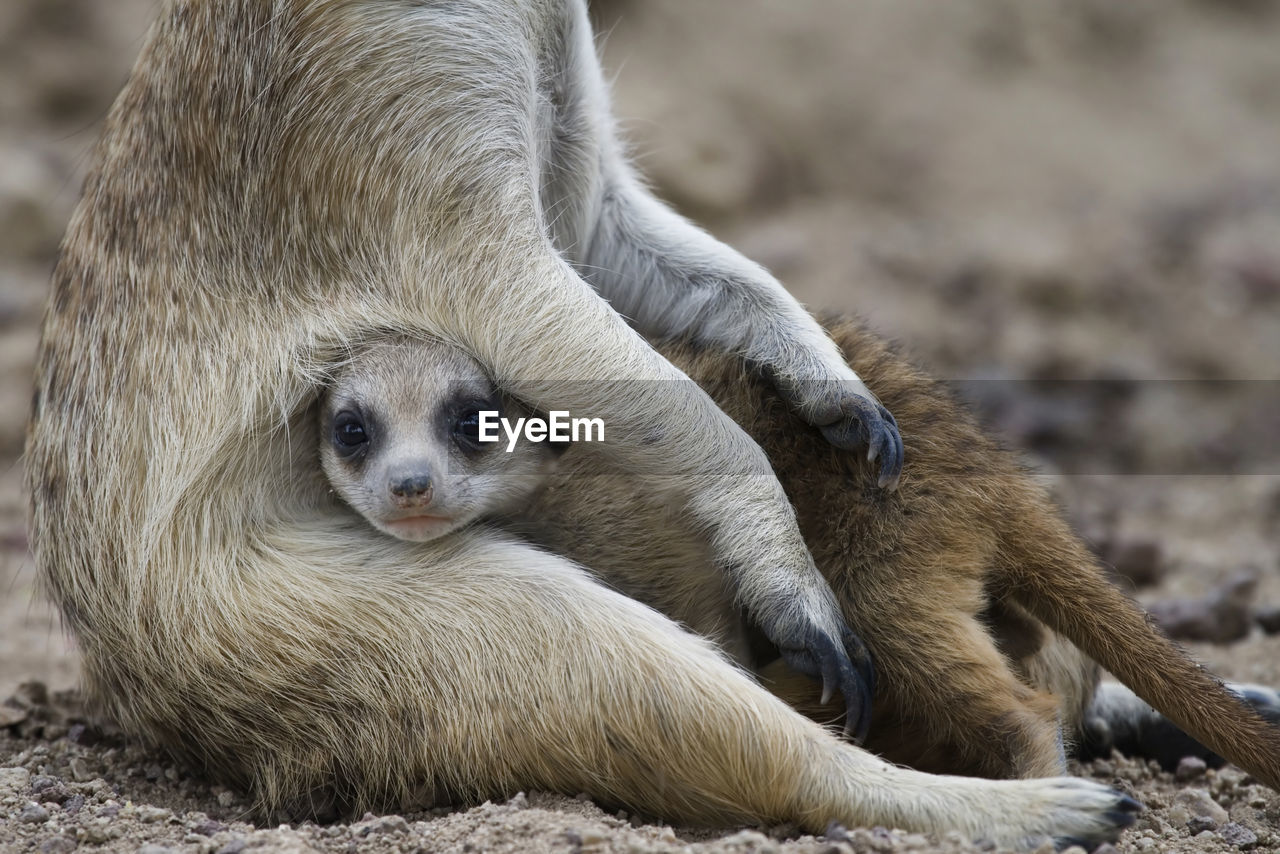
column 671, row 279
column 665, row 275
column 451, row 233
column 573, row 352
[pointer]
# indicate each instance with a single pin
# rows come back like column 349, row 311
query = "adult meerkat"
column 976, row 596
column 279, row 180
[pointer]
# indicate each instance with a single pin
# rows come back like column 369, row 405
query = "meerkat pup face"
column 400, row 441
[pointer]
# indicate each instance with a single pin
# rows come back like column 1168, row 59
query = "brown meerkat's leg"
column 947, row 699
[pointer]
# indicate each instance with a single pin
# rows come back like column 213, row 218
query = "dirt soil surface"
column 1072, row 207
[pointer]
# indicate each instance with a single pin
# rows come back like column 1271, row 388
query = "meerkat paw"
column 1081, row 813
column 1265, row 700
column 850, row 417
column 1062, row 811
column 844, row 664
column 863, row 421
column 1118, row 719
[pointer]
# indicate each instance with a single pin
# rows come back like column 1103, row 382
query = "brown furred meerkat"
column 975, row 595
column 281, row 180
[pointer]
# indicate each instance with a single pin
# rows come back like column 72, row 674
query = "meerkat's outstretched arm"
column 571, row 350
column 669, row 277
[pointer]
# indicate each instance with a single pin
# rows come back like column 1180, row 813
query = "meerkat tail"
column 1052, row 575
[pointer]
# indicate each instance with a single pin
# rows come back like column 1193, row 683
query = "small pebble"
column 235, row 846
column 1238, row 836
column 41, row 783
column 1200, row 805
column 151, row 815
column 207, row 828
column 1140, row 561
column 14, row 779
column 96, row 835
column 1190, row 768
column 384, row 824
column 58, row 845
column 80, row 770
column 837, row 832
column 1221, row 617
column 33, row 813
column 1199, row 824
column 9, row 716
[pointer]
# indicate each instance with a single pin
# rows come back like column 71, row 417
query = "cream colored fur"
column 281, row 180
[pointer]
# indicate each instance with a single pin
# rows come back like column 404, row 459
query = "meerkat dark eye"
column 348, row 432
column 467, row 429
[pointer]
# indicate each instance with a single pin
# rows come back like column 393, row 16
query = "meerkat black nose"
column 415, row 487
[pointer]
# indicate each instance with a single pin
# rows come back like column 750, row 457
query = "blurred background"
column 1065, row 205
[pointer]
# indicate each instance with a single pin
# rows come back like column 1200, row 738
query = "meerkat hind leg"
column 616, row 700
column 966, row 709
column 993, row 722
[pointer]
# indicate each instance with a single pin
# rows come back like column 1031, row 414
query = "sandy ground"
column 1047, row 201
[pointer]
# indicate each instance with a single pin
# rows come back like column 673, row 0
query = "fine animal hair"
column 400, row 441
column 975, row 596
column 280, row 181
column 972, row 592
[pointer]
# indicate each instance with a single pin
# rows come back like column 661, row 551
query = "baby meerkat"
column 400, row 432
column 976, row 598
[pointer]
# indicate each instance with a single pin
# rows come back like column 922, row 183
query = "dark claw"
column 1125, row 812
column 863, row 661
column 1124, row 815
column 851, row 671
column 864, row 422
column 1131, row 805
column 891, row 465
